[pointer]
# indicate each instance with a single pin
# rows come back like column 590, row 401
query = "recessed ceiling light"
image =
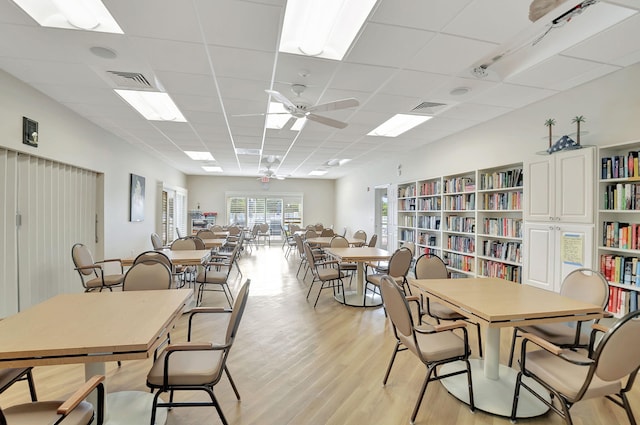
column 459, row 91
column 200, row 155
column 398, row 124
column 88, row 15
column 154, row 106
column 324, row 28
column 337, row 162
column 212, row 169
column 243, row 151
column 318, row 172
column 103, row 52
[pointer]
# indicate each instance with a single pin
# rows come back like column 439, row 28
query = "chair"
column 9, row 376
column 178, row 232
column 329, row 277
column 73, row 411
column 147, row 274
column 362, row 235
column 433, row 345
column 319, row 227
column 185, row 244
column 581, row 284
column 156, row 242
column 608, row 370
column 92, row 273
column 373, row 241
column 341, row 242
column 399, row 265
column 216, row 272
column 206, row 234
column 197, row 366
column 327, row 232
column 288, row 241
column 430, row 266
column 264, row 232
column 216, row 228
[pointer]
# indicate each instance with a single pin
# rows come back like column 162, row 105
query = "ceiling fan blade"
column 261, row 115
column 326, row 121
column 336, row 104
column 281, row 98
column 289, row 123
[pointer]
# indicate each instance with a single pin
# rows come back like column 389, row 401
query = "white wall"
column 68, row 138
column 611, row 106
column 319, row 195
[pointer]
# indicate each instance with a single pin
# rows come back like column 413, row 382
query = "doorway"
column 382, row 216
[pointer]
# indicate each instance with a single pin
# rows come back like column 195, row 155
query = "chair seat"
column 187, row 368
column 556, row 333
column 44, row 412
column 443, row 312
column 436, row 346
column 329, row 273
column 109, row 280
column 212, row 276
column 567, row 377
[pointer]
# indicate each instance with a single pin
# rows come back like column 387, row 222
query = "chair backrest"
column 586, row 285
column 147, row 275
column 327, row 232
column 618, row 353
column 310, row 258
column 264, row 228
column 233, row 230
column 205, row 234
column 411, row 246
column 178, row 232
column 199, row 243
column 310, row 233
column 82, row 257
column 400, row 262
column 294, row 228
column 396, row 306
column 299, row 244
column 319, row 227
column 183, row 244
column 339, row 242
column 373, row 241
column 156, row 256
column 360, row 234
column 429, row 266
column 238, row 309
column 156, row 242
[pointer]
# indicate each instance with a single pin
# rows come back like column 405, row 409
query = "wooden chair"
column 197, row 366
column 432, row 345
column 73, row 411
column 608, row 369
column 92, row 273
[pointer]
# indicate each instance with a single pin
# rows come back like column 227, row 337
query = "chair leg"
column 513, row 346
column 32, row 386
column 217, row 406
column 393, row 358
column 233, row 384
column 479, row 339
column 472, row 404
column 421, row 394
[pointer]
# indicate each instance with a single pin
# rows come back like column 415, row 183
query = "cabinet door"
column 539, row 200
column 574, row 186
column 539, row 247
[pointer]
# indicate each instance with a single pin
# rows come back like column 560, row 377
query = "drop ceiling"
column 217, row 58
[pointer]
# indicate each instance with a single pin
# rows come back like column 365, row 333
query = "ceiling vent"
column 130, row 80
column 428, row 108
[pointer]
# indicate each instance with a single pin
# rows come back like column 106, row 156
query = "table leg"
column 492, row 353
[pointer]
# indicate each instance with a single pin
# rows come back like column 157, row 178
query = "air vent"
column 130, row 80
column 428, row 108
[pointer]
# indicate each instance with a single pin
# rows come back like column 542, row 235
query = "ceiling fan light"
column 325, row 28
column 398, row 124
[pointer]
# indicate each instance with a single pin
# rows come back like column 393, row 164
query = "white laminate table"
column 94, row 328
column 495, row 304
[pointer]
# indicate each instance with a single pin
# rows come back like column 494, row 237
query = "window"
column 275, row 210
column 237, row 211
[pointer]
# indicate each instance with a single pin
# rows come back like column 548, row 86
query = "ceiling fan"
column 268, row 174
column 299, row 108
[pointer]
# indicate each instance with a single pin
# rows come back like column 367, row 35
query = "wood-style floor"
column 294, row 364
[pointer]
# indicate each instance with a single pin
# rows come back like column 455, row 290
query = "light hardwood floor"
column 294, row 364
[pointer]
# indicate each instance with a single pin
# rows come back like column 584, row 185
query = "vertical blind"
column 45, row 208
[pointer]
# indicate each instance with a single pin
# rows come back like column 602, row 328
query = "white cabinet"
column 559, row 216
column 553, row 250
column 560, row 187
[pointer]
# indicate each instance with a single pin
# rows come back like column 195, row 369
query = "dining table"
column 214, row 243
column 496, row 304
column 186, row 257
column 91, row 329
column 360, row 256
column 324, row 241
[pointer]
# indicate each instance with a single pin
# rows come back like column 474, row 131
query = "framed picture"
column 136, row 210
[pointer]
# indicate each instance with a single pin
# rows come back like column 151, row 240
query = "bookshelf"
column 618, row 240
column 473, row 220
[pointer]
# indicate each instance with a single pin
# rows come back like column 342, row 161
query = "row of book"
column 461, row 244
column 620, row 269
column 407, row 191
column 407, row 204
column 430, row 188
column 428, row 239
column 406, row 220
column 460, row 202
column 507, row 251
column 429, row 222
column 621, row 235
column 621, row 196
column 406, row 235
column 622, row 301
column 508, row 227
column 500, row 270
column 502, row 201
column 460, row 262
column 501, row 179
column 620, row 166
column 456, row 223
column 459, row 184
column 429, row 204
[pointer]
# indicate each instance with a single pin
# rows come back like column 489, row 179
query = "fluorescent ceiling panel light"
column 89, row 15
column 243, row 151
column 398, row 124
column 324, row 28
column 559, row 30
column 318, row 172
column 154, row 106
column 337, row 162
column 211, row 169
column 200, row 156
